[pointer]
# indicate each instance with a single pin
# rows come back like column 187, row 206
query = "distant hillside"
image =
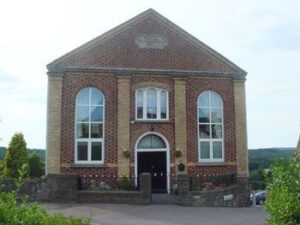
column 40, row 152
column 262, row 158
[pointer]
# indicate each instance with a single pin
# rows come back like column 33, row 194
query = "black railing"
column 212, row 181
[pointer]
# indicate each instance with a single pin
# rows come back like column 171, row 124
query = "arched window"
column 151, row 141
column 151, row 104
column 210, row 127
column 89, row 126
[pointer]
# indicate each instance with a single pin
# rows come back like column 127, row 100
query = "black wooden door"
column 154, row 163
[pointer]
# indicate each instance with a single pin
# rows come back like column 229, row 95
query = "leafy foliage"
column 14, row 213
column 40, row 152
column 260, row 160
column 15, row 157
column 283, row 202
column 36, row 166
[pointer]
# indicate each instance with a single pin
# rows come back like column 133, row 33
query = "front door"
column 154, row 163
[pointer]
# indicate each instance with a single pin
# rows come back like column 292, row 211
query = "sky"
column 262, row 37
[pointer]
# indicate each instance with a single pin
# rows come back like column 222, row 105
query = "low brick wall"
column 65, row 188
column 233, row 196
column 143, row 196
column 54, row 187
column 131, row 197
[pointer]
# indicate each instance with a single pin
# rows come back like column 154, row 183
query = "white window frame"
column 210, row 139
column 158, row 104
column 90, row 140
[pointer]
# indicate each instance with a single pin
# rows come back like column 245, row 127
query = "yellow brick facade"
column 123, row 126
column 241, row 128
column 54, row 124
column 180, row 120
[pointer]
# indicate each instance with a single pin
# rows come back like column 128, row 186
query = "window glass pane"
column 151, row 98
column 215, row 100
column 82, row 130
column 83, row 97
column 82, row 151
column 163, row 112
column 216, row 115
column 157, row 142
column 96, row 130
column 97, row 97
column 97, row 113
column 203, row 115
column 217, row 150
column 204, row 131
column 140, row 112
column 204, row 99
column 96, row 151
column 82, row 114
column 204, row 150
column 163, row 99
column 151, row 113
column 151, row 141
column 216, row 131
column 139, row 99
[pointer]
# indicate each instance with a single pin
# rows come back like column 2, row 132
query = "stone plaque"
column 151, row 41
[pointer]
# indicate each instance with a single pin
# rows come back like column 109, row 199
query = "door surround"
column 167, row 150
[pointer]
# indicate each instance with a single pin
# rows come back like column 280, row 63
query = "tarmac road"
column 122, row 214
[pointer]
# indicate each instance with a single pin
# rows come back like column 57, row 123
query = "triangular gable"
column 148, row 41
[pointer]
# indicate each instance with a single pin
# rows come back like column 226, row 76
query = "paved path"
column 117, row 214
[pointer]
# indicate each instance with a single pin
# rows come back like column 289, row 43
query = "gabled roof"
column 148, row 42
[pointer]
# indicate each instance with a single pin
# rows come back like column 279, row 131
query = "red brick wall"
column 120, row 51
column 164, row 128
column 195, row 86
column 72, row 84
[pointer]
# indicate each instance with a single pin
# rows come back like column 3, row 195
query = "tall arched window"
column 89, row 126
column 210, row 127
column 151, row 104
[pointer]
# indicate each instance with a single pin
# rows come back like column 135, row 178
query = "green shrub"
column 15, row 157
column 283, row 202
column 36, row 166
column 14, row 213
column 124, row 183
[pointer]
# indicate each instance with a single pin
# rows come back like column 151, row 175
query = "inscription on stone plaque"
column 151, row 41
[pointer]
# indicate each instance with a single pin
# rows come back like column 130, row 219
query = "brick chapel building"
column 146, row 96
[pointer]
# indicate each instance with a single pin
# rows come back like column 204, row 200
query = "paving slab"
column 122, row 214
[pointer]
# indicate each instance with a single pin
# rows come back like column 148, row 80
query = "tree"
column 16, row 156
column 36, row 166
column 283, row 202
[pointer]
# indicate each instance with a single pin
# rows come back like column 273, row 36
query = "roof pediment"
column 149, row 42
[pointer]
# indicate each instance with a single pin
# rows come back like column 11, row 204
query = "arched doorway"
column 152, row 156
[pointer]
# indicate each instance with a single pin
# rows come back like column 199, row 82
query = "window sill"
column 150, row 121
column 80, row 165
column 215, row 163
